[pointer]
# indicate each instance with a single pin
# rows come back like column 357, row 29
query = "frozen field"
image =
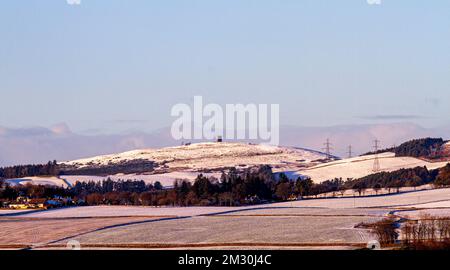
column 425, row 199
column 439, row 209
column 4, row 212
column 142, row 228
column 135, row 211
column 395, row 200
column 225, row 230
column 304, row 211
column 321, row 223
column 362, row 166
column 127, row 211
column 416, row 214
column 32, row 232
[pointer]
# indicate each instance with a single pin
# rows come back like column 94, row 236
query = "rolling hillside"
column 203, row 157
column 362, row 166
column 183, row 162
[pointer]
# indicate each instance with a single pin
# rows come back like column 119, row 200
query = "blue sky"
column 110, row 66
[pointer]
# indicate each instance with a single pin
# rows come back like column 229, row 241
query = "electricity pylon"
column 376, row 162
column 350, row 151
column 328, row 149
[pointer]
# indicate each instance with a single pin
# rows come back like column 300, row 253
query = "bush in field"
column 386, row 231
column 443, row 178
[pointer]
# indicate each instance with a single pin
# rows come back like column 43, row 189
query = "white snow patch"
column 38, row 181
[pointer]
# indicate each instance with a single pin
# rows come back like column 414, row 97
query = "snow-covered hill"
column 184, row 163
column 362, row 166
column 211, row 156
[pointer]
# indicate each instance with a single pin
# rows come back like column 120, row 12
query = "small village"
column 25, row 203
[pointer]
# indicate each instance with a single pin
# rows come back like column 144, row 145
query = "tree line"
column 420, row 148
column 49, row 169
column 426, row 147
column 11, row 193
column 251, row 186
column 52, row 168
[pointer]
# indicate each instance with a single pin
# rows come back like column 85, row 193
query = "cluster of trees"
column 426, row 228
column 8, row 192
column 425, row 233
column 386, row 231
column 413, row 177
column 427, row 147
column 252, row 186
column 443, row 178
column 336, row 185
column 121, row 192
column 49, row 169
column 125, row 167
column 423, row 148
column 52, row 168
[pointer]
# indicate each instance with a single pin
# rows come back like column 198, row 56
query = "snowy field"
column 4, row 212
column 362, row 166
column 307, row 211
column 127, row 211
column 395, row 200
column 428, row 199
column 29, row 232
column 417, row 214
column 439, row 209
column 320, row 223
column 236, row 230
